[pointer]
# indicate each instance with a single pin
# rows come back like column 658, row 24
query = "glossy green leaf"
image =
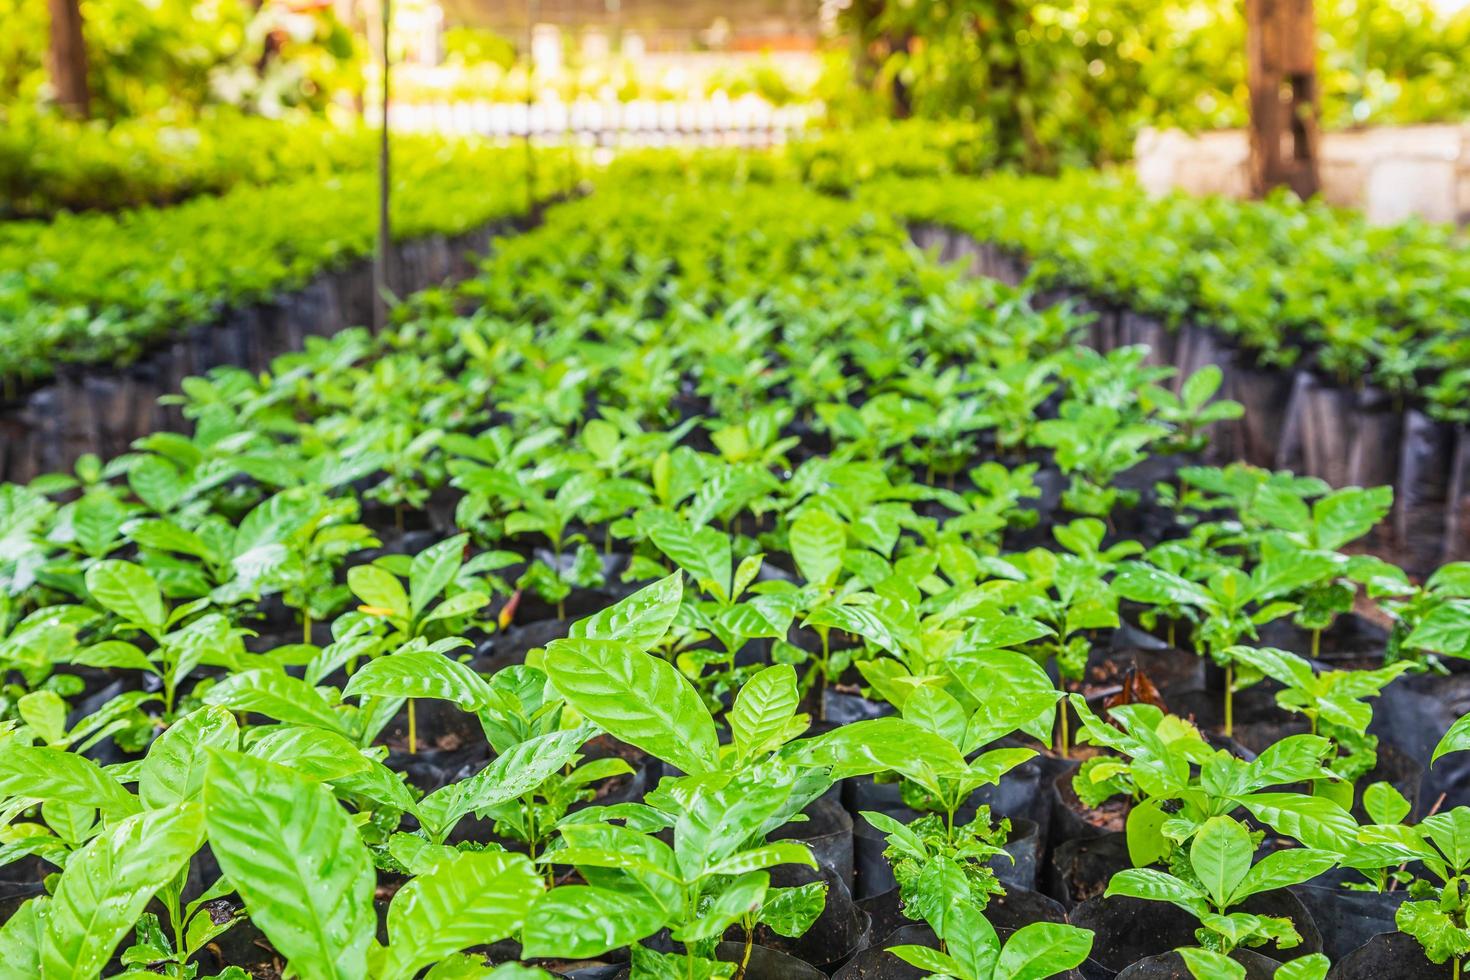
column 640, row 620
column 636, row 697
column 431, row 572
column 128, row 591
column 20, row 939
column 1043, row 949
column 379, row 588
column 1206, row 964
column 44, row 773
column 107, row 884
column 510, row 776
column 422, row 674
column 278, row 695
column 1221, row 857
column 579, row 921
column 818, row 540
column 763, row 710
column 475, row 898
column 296, row 859
column 1315, row 821
column 173, row 770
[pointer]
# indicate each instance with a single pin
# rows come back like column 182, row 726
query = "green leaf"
column 1282, row 869
column 741, row 897
column 640, row 620
column 459, row 604
column 1385, row 804
column 1206, row 964
column 313, row 752
column 113, row 653
column 817, row 541
column 1221, row 857
column 579, row 921
column 129, row 592
column 1457, row 739
column 174, row 768
column 636, row 697
column 20, row 938
column 763, row 710
column 1156, row 886
column 108, row 883
column 475, row 898
column 1315, row 821
column 431, row 572
column 422, row 673
column 277, row 695
column 1347, row 514
column 1013, row 691
column 765, row 856
column 165, row 535
column 1144, row 583
column 379, row 588
column 971, row 938
column 703, row 553
column 296, row 859
column 926, row 959
column 510, row 776
column 1435, row 928
column 1145, row 834
column 45, row 773
column 790, row 912
column 1280, row 665
column 45, row 714
column 1043, row 949
column 1313, row 966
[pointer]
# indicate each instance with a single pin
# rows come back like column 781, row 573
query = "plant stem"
column 1229, row 700
column 745, row 957
column 305, row 626
column 1316, row 643
column 825, row 632
column 1064, row 746
column 413, row 732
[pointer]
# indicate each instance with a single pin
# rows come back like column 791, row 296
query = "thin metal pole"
column 533, row 9
column 382, row 280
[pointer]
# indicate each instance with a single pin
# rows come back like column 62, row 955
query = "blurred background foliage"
column 1043, row 85
column 177, row 56
column 1070, row 83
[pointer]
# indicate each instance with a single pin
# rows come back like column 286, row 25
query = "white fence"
column 712, row 122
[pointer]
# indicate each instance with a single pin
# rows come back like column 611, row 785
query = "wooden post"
column 383, row 256
column 1281, row 47
column 69, row 57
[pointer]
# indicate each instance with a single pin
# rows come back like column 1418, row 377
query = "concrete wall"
column 1388, row 173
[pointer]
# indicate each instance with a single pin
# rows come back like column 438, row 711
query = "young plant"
column 1093, row 444
column 1070, row 594
column 1230, row 603
column 130, row 593
column 1334, row 702
column 1206, row 964
column 1218, row 875
column 988, row 695
column 1178, row 783
column 432, row 603
column 1439, row 915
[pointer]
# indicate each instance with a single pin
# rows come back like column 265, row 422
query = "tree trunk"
column 69, row 57
column 1281, row 44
